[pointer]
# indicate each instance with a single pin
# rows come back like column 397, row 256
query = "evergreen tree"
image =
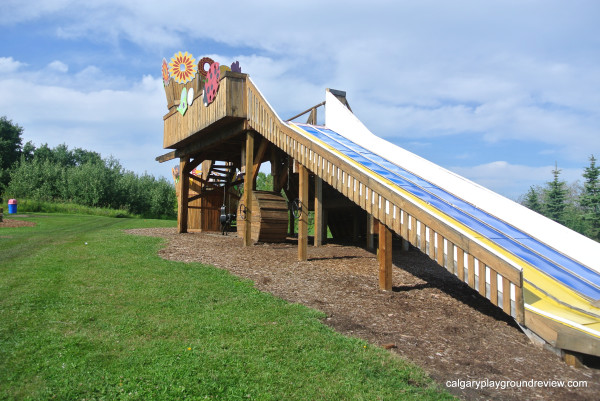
column 590, row 199
column 556, row 195
column 532, row 200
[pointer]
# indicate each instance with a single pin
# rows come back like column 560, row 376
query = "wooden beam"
column 260, row 154
column 318, row 221
column 306, row 111
column 303, row 221
column 166, row 157
column 203, row 142
column 275, row 159
column 385, row 257
column 370, row 232
column 283, row 176
column 182, row 207
column 312, row 117
column 194, row 163
column 248, row 187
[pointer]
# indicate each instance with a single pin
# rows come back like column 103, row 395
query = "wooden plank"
column 413, row 231
column 183, row 201
column 431, row 243
column 166, row 157
column 389, row 210
column 505, row 295
column 493, row 286
column 303, row 220
column 318, row 219
column 385, row 257
column 471, row 270
column 423, row 237
column 450, row 257
column 397, row 226
column 248, row 187
column 440, row 249
column 460, row 264
column 519, row 304
column 482, row 280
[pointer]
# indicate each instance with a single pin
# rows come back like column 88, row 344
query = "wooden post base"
column 385, row 257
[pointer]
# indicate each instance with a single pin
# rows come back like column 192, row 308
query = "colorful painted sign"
column 182, row 108
column 165, row 72
column 235, row 67
column 212, row 83
column 182, row 67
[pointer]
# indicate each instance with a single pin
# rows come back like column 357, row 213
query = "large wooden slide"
column 544, row 275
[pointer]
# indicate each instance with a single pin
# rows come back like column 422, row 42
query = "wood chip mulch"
column 430, row 317
column 10, row 223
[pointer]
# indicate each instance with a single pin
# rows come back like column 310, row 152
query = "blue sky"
column 497, row 91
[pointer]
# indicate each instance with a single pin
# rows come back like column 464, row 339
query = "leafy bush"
column 84, row 178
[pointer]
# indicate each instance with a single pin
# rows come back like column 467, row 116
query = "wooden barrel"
column 269, row 217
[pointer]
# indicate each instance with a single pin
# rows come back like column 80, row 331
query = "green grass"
column 36, row 206
column 111, row 320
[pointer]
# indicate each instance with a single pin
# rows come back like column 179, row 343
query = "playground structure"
column 544, row 275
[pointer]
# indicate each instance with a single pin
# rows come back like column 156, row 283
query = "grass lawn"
column 89, row 312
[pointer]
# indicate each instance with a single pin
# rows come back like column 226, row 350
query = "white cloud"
column 125, row 123
column 58, row 66
column 9, row 65
column 525, row 72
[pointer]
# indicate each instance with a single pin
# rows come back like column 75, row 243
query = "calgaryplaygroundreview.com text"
column 505, row 384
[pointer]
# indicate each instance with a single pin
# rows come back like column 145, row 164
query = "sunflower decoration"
column 183, row 67
column 165, row 72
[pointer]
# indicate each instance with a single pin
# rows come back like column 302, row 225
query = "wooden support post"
column 276, row 168
column 292, row 221
column 318, row 221
column 573, row 359
column 206, row 167
column 385, row 257
column 248, row 186
column 184, row 185
column 370, row 232
column 519, row 303
column 303, row 221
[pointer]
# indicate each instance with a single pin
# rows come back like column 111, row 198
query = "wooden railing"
column 229, row 103
column 494, row 277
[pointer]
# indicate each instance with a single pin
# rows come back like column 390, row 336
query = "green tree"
column 590, row 199
column 556, row 198
column 10, row 148
column 532, row 200
column 264, row 182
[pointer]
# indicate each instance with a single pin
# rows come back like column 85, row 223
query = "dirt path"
column 430, row 317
